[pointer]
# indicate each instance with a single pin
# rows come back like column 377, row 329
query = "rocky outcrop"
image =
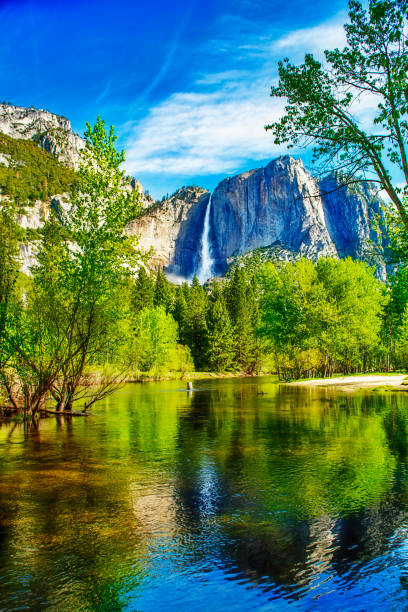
column 52, row 132
column 172, row 228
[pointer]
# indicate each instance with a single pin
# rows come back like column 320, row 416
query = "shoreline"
column 353, row 383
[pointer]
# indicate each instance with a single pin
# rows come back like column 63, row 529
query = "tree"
column 402, row 341
column 101, row 207
column 243, row 310
column 10, row 237
column 195, row 333
column 143, row 291
column 162, row 292
column 78, row 277
column 155, row 340
column 221, row 346
column 180, row 312
column 322, row 316
column 322, row 101
column 10, row 304
column 352, row 333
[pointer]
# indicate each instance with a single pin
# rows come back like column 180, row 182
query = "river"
column 241, row 495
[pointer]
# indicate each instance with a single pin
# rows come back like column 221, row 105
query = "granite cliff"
column 172, row 229
column 279, row 207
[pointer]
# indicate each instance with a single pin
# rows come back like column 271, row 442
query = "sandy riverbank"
column 357, row 382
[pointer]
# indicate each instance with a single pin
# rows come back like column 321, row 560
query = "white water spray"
column 205, row 269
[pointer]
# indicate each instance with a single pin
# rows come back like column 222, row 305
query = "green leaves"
column 332, row 308
column 103, row 203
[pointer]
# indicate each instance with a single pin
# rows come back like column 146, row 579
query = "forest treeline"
column 294, row 319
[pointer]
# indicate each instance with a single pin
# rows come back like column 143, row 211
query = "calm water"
column 243, row 495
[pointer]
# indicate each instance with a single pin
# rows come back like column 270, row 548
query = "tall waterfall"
column 205, row 269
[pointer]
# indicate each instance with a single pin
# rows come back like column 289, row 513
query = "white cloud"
column 192, row 134
column 324, row 36
column 201, row 132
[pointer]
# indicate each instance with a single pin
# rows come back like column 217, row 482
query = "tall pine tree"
column 243, row 309
column 221, row 349
column 143, row 290
column 196, row 331
column 162, row 292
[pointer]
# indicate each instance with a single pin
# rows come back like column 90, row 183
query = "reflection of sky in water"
column 208, row 487
column 223, row 499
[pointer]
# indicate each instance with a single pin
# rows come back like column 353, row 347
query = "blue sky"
column 185, row 83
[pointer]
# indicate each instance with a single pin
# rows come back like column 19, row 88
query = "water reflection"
column 243, row 494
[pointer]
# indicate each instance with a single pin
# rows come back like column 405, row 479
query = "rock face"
column 173, row 229
column 52, row 132
column 280, row 207
column 351, row 214
column 276, row 205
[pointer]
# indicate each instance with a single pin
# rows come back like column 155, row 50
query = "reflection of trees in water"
column 62, row 520
column 279, row 487
column 289, row 545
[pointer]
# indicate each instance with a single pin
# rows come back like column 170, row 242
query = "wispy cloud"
column 219, row 124
column 191, row 134
column 324, row 36
column 103, row 93
column 168, row 60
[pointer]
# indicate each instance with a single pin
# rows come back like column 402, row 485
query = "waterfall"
column 205, row 269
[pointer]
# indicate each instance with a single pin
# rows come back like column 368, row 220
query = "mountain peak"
column 51, row 132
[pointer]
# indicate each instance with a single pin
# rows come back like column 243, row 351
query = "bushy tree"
column 10, row 238
column 156, row 341
column 72, row 313
column 319, row 317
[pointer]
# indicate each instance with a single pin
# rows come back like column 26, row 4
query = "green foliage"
column 190, row 312
column 143, row 291
column 401, row 344
column 10, row 236
column 321, row 317
column 155, row 346
column 321, row 99
column 100, row 209
column 74, row 316
column 162, row 292
column 221, row 345
column 243, row 309
column 32, row 173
